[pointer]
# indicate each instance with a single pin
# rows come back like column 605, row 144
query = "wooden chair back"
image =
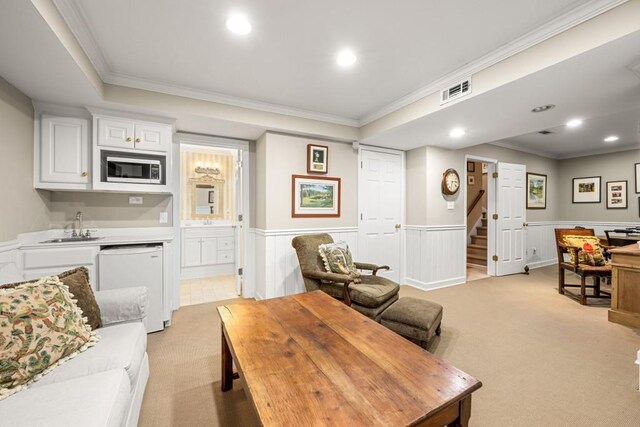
column 562, row 232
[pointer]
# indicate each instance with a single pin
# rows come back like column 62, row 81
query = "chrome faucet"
column 78, row 222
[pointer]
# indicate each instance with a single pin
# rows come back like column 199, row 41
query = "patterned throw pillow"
column 337, row 258
column 591, row 253
column 40, row 328
column 78, row 282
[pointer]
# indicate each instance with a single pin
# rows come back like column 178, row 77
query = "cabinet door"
column 209, row 250
column 191, row 252
column 115, row 132
column 64, row 150
column 152, row 137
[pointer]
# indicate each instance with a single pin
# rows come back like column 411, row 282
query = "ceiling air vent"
column 456, row 91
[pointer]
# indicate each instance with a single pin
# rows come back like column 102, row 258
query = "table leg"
column 465, row 413
column 227, row 365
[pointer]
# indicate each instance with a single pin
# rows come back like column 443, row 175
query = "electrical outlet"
column 135, row 200
column 535, row 250
column 451, row 205
column 164, row 217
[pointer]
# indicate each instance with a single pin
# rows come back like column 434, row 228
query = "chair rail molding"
column 277, row 272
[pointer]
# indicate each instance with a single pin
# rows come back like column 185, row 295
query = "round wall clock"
column 450, row 182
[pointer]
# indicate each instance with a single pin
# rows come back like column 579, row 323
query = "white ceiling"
column 289, row 58
column 597, row 86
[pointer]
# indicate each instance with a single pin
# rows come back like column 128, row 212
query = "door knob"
column 129, row 139
column 397, row 226
column 85, row 173
column 525, row 224
column 137, row 139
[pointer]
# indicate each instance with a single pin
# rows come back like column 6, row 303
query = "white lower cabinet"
column 37, row 263
column 207, row 251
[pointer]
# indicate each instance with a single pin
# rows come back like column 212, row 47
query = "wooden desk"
column 308, row 359
column 625, row 281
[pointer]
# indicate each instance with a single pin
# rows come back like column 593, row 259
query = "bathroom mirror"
column 207, row 198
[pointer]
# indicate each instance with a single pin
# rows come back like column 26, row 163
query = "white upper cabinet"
column 132, row 134
column 64, row 152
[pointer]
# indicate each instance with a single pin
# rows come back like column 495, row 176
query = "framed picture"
column 587, row 190
column 315, row 197
column 637, row 178
column 212, row 196
column 471, row 166
column 536, row 191
column 317, row 158
column 471, row 180
column 617, row 195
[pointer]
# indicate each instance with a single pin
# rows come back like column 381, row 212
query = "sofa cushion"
column 121, row 346
column 78, row 282
column 40, row 328
column 9, row 273
column 413, row 317
column 373, row 291
column 101, row 400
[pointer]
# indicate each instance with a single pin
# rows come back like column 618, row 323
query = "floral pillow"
column 591, row 253
column 41, row 327
column 337, row 258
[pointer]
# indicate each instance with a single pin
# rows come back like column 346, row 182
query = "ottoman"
column 416, row 319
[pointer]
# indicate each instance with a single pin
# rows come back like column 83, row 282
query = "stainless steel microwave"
column 133, row 170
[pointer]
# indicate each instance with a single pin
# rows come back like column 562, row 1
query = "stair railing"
column 475, row 201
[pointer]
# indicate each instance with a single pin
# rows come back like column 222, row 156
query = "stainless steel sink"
column 72, row 239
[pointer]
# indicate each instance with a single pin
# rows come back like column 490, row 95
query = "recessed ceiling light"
column 346, row 58
column 542, row 108
column 238, row 24
column 574, row 123
column 457, row 132
column 611, row 138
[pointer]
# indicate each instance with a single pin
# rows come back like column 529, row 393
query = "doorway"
column 477, row 196
column 209, row 199
column 381, row 206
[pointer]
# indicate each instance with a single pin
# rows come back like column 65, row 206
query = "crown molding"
column 72, row 12
column 566, row 156
column 570, row 19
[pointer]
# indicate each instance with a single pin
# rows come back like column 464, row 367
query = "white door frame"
column 491, row 209
column 242, row 146
column 403, row 219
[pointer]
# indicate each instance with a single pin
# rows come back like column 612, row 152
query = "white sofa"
column 102, row 386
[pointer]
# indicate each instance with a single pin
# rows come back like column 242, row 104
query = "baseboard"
column 545, row 263
column 435, row 285
column 258, row 297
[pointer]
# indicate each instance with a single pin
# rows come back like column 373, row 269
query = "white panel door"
column 115, row 133
column 209, row 251
column 64, row 153
column 380, row 199
column 191, row 251
column 152, row 137
column 511, row 209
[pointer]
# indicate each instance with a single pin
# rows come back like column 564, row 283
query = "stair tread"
column 473, row 256
column 479, row 237
column 476, row 246
column 481, row 227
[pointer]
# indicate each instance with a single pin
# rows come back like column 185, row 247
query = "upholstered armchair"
column 369, row 294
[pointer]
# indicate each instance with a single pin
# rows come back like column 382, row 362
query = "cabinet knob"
column 85, row 173
column 129, row 139
column 137, row 139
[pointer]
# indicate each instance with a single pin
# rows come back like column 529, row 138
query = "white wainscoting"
column 9, row 252
column 435, row 255
column 277, row 272
column 541, row 240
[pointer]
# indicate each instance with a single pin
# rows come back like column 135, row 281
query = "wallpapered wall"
column 226, row 162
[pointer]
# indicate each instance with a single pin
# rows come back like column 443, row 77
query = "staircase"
column 477, row 249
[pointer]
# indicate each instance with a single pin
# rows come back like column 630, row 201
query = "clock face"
column 450, row 182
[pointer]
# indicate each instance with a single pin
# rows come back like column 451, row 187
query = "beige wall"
column 23, row 209
column 611, row 167
column 225, row 162
column 281, row 156
column 108, row 210
column 416, row 185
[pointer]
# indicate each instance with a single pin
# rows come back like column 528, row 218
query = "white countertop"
column 194, row 224
column 107, row 236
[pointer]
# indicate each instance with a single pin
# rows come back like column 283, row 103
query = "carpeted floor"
column 544, row 360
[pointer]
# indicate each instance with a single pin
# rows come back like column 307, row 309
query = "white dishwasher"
column 135, row 265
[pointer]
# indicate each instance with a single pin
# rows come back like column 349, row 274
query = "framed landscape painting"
column 536, row 191
column 315, row 197
column 587, row 190
column 317, row 158
column 617, row 195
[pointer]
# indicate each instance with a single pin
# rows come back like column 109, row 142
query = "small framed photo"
column 637, row 178
column 617, row 195
column 471, row 180
column 317, row 158
column 315, row 196
column 471, row 166
column 212, row 196
column 536, row 191
column 587, row 190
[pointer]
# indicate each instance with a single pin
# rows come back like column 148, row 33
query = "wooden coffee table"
column 308, row 359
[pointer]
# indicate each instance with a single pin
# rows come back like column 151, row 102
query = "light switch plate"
column 135, row 200
column 164, row 217
column 451, row 205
